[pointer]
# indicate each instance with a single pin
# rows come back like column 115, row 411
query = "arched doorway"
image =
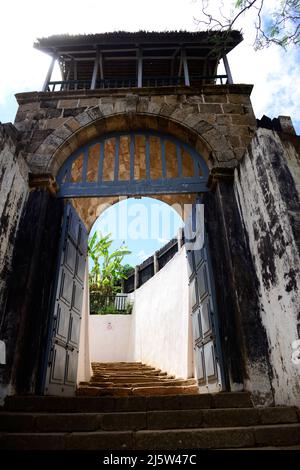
column 129, row 164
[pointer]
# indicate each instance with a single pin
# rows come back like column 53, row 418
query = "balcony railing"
column 109, row 304
column 131, row 82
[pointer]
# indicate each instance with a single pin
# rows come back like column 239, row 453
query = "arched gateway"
column 128, row 164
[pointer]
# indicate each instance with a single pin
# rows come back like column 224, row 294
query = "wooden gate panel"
column 64, row 334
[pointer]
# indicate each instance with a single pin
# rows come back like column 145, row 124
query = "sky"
column 142, row 225
column 273, row 72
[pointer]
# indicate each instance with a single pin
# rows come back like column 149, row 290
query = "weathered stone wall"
column 53, row 125
column 13, row 193
column 267, row 191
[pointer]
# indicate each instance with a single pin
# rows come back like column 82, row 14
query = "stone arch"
column 190, row 127
column 89, row 209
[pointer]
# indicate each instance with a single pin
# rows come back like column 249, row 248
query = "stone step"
column 131, row 403
column 134, row 390
column 154, row 373
column 138, row 383
column 152, row 420
column 199, row 438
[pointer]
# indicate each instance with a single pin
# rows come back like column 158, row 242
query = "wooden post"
column 136, row 277
column 75, row 73
column 49, row 73
column 227, row 69
column 185, row 68
column 101, row 65
column 140, row 69
column 155, row 263
column 95, row 71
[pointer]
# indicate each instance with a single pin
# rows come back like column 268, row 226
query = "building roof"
column 227, row 39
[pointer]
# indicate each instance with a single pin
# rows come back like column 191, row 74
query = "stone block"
column 159, row 100
column 11, row 422
column 278, row 435
column 175, row 419
column 106, row 108
column 181, row 113
column 69, row 112
column 231, row 400
column 72, row 103
column 130, row 404
column 70, row 422
column 123, row 421
column 131, row 103
column 197, row 99
column 167, row 109
column 72, row 124
column 142, row 106
column 278, row 415
column 95, row 113
column 83, row 119
column 99, row 441
column 215, row 98
column 238, row 99
column 211, row 108
column 233, row 108
column 223, row 119
column 88, row 102
column 239, row 152
column 120, row 106
column 53, row 123
column 33, row 441
column 51, row 104
column 63, row 132
column 53, row 113
column 243, row 119
column 194, row 439
column 172, row 100
column 230, row 417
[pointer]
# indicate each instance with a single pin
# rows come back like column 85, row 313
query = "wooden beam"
column 140, row 69
column 185, row 68
column 49, row 74
column 95, row 71
column 227, row 69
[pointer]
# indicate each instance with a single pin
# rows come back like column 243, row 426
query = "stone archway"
column 192, row 129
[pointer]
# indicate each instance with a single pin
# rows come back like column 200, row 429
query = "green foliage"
column 107, row 270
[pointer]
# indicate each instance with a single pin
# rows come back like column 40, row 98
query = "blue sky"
column 143, row 225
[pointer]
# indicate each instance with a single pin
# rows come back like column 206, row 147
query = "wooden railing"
column 131, row 82
column 143, row 272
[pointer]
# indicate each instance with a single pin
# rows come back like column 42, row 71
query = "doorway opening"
column 135, row 164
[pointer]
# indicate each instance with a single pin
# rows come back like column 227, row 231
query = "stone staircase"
column 133, row 378
column 161, row 415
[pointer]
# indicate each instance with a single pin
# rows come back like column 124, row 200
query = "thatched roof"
column 230, row 38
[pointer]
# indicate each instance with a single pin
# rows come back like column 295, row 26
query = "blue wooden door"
column 203, row 308
column 63, row 339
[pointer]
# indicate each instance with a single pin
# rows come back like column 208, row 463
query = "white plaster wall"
column 158, row 332
column 84, row 371
column 111, row 338
column 161, row 319
column 276, row 259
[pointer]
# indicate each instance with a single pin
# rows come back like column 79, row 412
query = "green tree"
column 275, row 23
column 107, row 269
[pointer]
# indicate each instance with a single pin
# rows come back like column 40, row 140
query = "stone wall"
column 13, row 194
column 267, row 191
column 217, row 120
